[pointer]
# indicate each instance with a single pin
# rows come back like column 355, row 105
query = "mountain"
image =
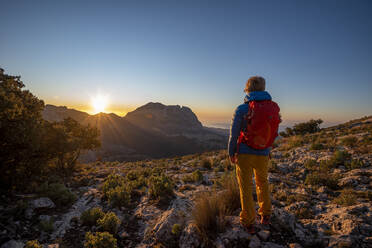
column 151, row 131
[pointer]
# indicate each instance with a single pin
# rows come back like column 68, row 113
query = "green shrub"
column 120, row 196
column 304, row 213
column 109, row 223
column 111, row 182
column 340, row 157
column 176, row 229
column 100, row 240
column 317, row 146
column 349, row 141
column 33, row 244
column 91, row 216
column 311, row 164
column 58, row 193
column 196, row 176
column 46, row 225
column 322, row 179
column 346, row 198
column 206, row 163
column 354, row 164
column 160, row 187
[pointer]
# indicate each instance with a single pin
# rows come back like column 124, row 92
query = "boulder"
column 12, row 244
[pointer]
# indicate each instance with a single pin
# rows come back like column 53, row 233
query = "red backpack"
column 262, row 124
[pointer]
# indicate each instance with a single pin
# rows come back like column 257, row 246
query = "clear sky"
column 316, row 56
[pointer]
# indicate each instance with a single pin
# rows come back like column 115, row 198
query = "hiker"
column 253, row 130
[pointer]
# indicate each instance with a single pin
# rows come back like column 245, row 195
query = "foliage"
column 230, row 196
column 120, row 196
column 346, row 198
column 206, row 163
column 317, row 178
column 109, row 222
column 91, row 216
column 33, row 244
column 47, row 225
column 176, row 229
column 58, row 193
column 196, row 176
column 68, row 139
column 312, row 126
column 160, row 187
column 100, row 240
column 316, row 146
column 350, row 141
column 30, row 146
column 22, row 151
column 117, row 190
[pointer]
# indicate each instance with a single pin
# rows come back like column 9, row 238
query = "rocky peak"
column 170, row 119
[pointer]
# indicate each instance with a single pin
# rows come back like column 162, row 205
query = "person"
column 248, row 158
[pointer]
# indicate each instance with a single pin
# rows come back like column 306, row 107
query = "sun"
column 99, row 103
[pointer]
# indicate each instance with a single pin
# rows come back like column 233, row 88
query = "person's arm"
column 234, row 133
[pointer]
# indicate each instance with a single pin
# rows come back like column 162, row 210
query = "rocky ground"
column 321, row 198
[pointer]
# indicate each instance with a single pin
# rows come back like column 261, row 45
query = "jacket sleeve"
column 235, row 131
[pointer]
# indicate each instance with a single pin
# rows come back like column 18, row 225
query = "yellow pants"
column 247, row 164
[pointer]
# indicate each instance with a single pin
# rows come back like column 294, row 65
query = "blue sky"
column 315, row 55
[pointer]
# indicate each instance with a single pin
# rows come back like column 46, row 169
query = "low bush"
column 206, row 163
column 109, row 223
column 160, row 187
column 33, row 244
column 119, row 196
column 346, row 198
column 322, row 179
column 100, row 240
column 311, row 164
column 230, row 195
column 58, row 193
column 91, row 216
column 350, row 141
column 46, row 225
column 317, row 146
column 176, row 229
column 196, row 176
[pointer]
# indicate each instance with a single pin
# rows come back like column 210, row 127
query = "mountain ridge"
column 153, row 130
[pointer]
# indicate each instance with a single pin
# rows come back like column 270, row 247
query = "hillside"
column 151, row 131
column 321, row 188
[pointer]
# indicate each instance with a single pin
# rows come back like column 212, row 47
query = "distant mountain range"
column 151, row 131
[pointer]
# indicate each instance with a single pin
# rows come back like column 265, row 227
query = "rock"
column 271, row 245
column 163, row 228
column 53, row 246
column 235, row 235
column 263, row 234
column 190, row 237
column 43, row 202
column 255, row 242
column 12, row 244
column 44, row 217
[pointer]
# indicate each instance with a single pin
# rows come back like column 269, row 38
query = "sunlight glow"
column 99, row 103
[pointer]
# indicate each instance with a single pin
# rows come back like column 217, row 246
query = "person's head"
column 255, row 83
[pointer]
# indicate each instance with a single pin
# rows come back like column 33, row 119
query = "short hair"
column 255, row 83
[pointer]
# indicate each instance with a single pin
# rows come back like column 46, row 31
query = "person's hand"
column 234, row 159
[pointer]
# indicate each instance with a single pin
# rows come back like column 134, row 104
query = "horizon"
column 315, row 56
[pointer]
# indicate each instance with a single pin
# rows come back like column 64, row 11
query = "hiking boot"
column 251, row 229
column 265, row 220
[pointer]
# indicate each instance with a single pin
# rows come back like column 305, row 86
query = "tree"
column 68, row 139
column 20, row 131
column 311, row 126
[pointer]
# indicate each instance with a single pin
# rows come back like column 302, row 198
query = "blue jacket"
column 238, row 123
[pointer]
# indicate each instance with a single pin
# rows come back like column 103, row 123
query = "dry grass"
column 209, row 215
